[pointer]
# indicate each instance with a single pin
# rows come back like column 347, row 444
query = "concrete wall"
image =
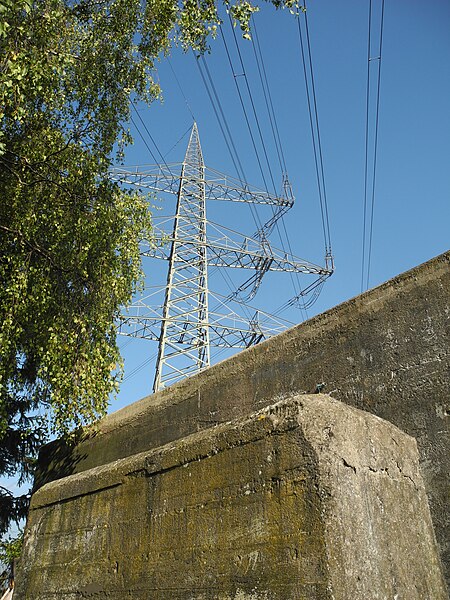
column 308, row 499
column 386, row 352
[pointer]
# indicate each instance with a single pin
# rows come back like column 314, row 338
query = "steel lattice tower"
column 184, row 325
column 184, row 328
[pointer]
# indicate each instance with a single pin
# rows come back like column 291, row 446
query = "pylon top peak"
column 194, row 152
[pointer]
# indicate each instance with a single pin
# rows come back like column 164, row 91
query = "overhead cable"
column 277, row 139
column 244, row 111
column 297, row 288
column 155, row 160
column 214, row 99
column 313, row 87
column 179, row 141
column 150, row 136
column 315, row 131
column 268, row 98
column 368, row 227
column 180, row 88
column 255, row 114
column 200, row 61
column 139, row 367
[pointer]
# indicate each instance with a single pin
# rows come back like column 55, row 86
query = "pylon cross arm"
column 220, row 254
column 162, row 180
column 221, row 334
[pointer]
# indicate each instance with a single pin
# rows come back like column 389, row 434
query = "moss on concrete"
column 305, row 499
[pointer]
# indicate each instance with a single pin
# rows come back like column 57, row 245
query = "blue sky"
column 412, row 191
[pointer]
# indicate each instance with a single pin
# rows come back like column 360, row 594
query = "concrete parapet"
column 307, row 498
column 386, row 352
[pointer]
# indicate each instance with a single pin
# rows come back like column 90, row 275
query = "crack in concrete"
column 381, row 471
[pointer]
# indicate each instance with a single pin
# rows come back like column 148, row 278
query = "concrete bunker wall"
column 386, row 352
column 308, row 498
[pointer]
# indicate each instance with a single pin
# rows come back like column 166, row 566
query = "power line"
column 313, row 87
column 225, row 133
column 244, row 111
column 217, row 99
column 139, row 367
column 368, row 227
column 150, row 136
column 180, row 88
column 376, row 146
column 268, row 99
column 277, row 139
column 366, row 161
column 179, row 141
column 155, row 160
column 228, row 140
column 243, row 74
column 297, row 288
column 255, row 114
column 313, row 134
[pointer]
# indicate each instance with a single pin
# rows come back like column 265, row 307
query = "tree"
column 9, row 551
column 69, row 236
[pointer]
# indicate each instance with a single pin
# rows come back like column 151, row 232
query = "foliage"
column 10, row 550
column 69, row 236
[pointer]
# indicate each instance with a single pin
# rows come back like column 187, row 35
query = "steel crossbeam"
column 217, row 186
column 223, row 254
column 220, row 335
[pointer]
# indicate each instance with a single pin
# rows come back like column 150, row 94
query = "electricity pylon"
column 186, row 301
column 184, row 326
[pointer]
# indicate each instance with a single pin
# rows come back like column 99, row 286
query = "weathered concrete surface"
column 307, row 499
column 386, row 351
